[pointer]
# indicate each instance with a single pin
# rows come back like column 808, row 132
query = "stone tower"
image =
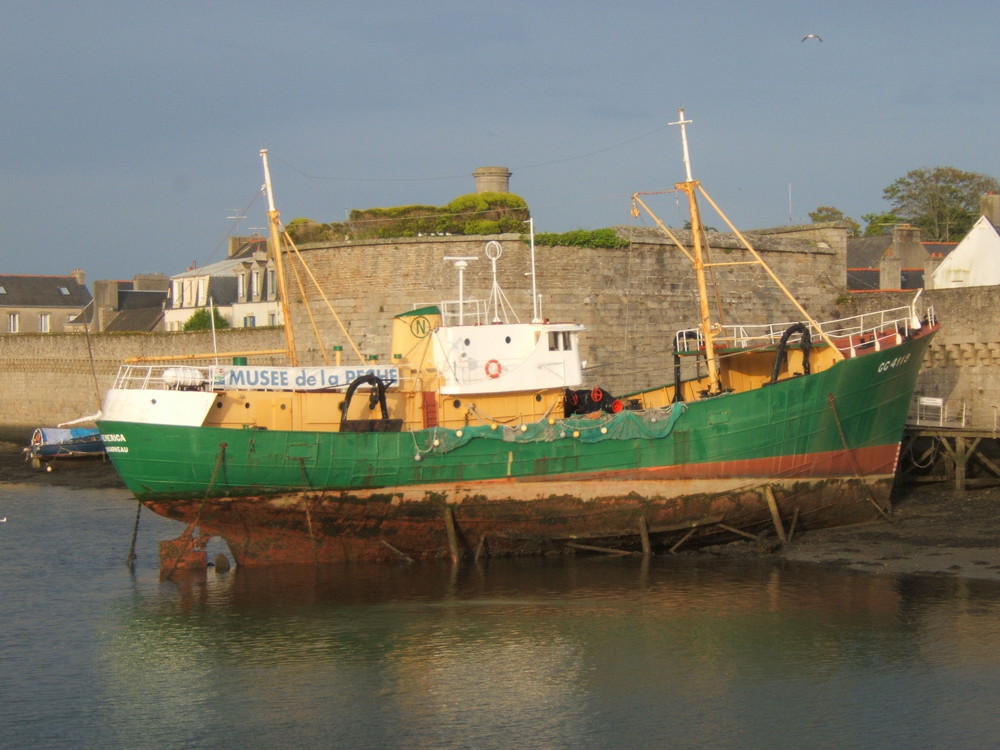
column 492, row 179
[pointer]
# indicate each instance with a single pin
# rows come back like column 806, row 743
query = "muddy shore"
column 933, row 530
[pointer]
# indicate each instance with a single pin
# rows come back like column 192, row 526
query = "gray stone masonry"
column 632, row 300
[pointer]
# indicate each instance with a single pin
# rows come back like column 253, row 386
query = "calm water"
column 585, row 653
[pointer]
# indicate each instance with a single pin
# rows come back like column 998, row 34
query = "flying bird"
column 812, row 36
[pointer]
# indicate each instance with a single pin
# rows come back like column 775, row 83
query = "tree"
column 200, row 321
column 943, row 202
column 876, row 224
column 824, row 214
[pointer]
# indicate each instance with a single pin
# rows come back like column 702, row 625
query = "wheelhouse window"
column 560, row 341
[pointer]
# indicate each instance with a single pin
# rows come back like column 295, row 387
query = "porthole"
column 507, row 339
column 456, row 403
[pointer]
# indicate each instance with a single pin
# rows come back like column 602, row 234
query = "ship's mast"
column 698, row 261
column 274, row 221
column 711, row 331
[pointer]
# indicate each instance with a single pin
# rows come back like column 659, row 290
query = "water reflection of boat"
column 51, row 443
column 478, row 440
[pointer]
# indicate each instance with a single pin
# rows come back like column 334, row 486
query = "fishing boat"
column 51, row 443
column 483, row 438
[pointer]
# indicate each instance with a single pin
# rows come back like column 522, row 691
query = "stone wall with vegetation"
column 632, row 299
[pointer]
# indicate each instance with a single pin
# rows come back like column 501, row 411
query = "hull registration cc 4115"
column 481, row 438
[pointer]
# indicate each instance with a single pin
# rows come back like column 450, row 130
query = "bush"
column 200, row 321
column 607, row 238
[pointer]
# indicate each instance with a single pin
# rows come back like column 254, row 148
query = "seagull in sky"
column 812, row 36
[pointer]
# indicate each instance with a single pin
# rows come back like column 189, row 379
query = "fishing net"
column 647, row 424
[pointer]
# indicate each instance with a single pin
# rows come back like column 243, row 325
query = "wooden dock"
column 965, row 455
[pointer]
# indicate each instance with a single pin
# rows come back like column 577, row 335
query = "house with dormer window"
column 42, row 304
column 242, row 288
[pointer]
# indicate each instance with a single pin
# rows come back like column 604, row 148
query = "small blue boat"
column 49, row 443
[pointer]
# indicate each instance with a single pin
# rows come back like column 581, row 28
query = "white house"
column 241, row 288
column 974, row 262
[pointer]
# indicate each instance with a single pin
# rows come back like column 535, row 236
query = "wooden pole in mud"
column 647, row 549
column 673, row 550
column 449, row 523
column 772, row 503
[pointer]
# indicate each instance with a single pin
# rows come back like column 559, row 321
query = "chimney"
column 492, row 180
column 930, row 268
column 989, row 205
column 890, row 272
column 79, row 275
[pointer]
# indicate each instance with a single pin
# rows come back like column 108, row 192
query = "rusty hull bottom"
column 465, row 522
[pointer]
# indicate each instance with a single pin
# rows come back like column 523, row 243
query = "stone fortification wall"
column 51, row 378
column 632, row 300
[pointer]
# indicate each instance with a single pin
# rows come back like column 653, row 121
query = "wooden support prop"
column 647, row 549
column 795, row 520
column 772, row 503
column 710, row 521
column 734, row 530
column 605, row 550
column 673, row 550
column 960, row 454
column 400, row 554
column 449, row 523
column 992, row 467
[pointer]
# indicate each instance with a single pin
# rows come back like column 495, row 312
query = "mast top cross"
column 684, row 141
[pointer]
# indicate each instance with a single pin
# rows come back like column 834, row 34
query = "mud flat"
column 75, row 472
column 933, row 530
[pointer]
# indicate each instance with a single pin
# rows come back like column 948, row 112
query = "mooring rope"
column 854, row 459
column 135, row 533
column 197, row 516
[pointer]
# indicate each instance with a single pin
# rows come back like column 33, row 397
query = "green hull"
column 802, row 426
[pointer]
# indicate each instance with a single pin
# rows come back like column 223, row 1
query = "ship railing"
column 469, row 312
column 163, row 378
column 854, row 328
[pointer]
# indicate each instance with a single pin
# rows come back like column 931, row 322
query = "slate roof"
column 867, row 252
column 43, row 291
column 223, row 286
column 144, row 319
column 863, row 279
column 130, row 299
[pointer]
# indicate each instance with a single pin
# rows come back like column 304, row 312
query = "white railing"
column 746, row 336
column 932, row 411
column 470, row 312
column 163, row 378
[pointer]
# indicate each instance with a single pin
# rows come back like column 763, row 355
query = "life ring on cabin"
column 493, row 368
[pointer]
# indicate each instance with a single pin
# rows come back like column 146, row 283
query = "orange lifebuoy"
column 493, row 368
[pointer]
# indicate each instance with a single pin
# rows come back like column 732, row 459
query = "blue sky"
column 130, row 132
